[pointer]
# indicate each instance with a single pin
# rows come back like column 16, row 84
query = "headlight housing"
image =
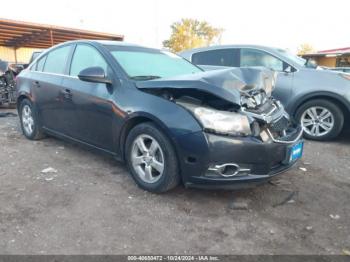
column 223, row 122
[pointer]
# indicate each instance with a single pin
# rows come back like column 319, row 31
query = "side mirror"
column 94, row 74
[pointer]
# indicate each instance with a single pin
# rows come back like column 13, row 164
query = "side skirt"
column 82, row 143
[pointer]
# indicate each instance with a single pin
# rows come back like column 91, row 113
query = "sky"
column 284, row 24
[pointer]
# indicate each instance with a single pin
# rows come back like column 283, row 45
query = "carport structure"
column 16, row 34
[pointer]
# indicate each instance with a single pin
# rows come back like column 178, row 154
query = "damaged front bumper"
column 247, row 137
column 234, row 162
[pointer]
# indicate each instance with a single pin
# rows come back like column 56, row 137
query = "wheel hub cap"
column 317, row 121
column 147, row 158
column 27, row 120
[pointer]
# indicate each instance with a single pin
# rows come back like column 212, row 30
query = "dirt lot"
column 91, row 206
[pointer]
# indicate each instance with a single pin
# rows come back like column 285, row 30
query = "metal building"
column 19, row 39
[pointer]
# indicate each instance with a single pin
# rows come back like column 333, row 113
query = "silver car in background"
column 319, row 99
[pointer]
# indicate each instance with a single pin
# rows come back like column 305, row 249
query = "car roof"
column 272, row 50
column 115, row 43
column 101, row 42
column 267, row 48
column 93, row 42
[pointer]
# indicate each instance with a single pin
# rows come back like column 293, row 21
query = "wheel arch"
column 140, row 118
column 332, row 97
column 20, row 98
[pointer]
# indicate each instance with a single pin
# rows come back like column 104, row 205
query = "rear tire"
column 151, row 159
column 29, row 120
column 313, row 117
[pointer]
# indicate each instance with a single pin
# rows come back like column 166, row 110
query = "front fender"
column 172, row 119
column 142, row 116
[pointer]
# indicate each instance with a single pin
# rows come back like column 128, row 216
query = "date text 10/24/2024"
column 173, row 258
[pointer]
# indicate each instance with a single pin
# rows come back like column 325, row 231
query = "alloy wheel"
column 147, row 158
column 317, row 121
column 27, row 120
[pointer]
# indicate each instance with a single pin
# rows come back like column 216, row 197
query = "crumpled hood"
column 227, row 84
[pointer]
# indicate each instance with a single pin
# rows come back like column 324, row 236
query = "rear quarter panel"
column 23, row 85
column 310, row 82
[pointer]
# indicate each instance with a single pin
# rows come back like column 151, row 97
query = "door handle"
column 67, row 93
column 36, row 83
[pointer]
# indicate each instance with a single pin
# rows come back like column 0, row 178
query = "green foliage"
column 191, row 33
column 305, row 49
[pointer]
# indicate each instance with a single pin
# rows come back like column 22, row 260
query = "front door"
column 89, row 105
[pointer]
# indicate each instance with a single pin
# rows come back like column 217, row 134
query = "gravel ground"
column 92, row 206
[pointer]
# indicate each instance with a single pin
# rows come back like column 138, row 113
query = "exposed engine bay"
column 273, row 121
column 231, row 102
column 7, row 83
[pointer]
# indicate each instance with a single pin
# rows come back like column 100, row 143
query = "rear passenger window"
column 40, row 64
column 56, row 60
column 86, row 56
column 220, row 57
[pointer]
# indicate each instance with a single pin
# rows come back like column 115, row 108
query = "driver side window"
column 252, row 57
column 84, row 57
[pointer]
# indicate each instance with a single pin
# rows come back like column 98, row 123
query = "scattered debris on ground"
column 239, row 204
column 49, row 170
column 289, row 199
column 309, row 228
column 346, row 252
column 334, row 216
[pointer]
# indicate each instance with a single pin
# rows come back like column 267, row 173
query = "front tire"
column 321, row 119
column 29, row 120
column 151, row 159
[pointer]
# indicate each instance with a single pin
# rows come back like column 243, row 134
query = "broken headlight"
column 223, row 122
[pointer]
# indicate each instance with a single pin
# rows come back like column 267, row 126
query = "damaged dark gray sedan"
column 166, row 118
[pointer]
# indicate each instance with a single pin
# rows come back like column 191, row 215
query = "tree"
column 191, row 33
column 305, row 49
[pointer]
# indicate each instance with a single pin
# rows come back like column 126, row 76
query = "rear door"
column 46, row 87
column 89, row 104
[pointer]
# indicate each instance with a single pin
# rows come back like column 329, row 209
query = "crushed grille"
column 280, row 125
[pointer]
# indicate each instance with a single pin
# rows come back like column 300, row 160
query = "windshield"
column 296, row 59
column 147, row 64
